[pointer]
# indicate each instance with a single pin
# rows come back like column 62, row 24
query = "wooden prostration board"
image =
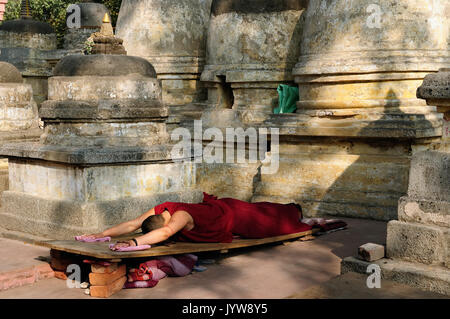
column 102, row 251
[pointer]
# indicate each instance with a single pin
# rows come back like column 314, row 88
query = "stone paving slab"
column 354, row 286
column 22, row 264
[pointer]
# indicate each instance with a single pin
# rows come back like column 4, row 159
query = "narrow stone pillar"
column 171, row 35
column 435, row 90
column 422, row 233
column 418, row 244
column 347, row 150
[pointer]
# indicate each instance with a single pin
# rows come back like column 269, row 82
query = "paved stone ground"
column 22, row 264
column 353, row 286
column 300, row 270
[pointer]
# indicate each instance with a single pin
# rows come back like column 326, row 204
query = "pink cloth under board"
column 84, row 239
column 148, row 274
column 131, row 248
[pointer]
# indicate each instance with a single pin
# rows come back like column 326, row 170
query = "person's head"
column 155, row 222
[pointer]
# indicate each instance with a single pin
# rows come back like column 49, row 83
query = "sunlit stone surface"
column 18, row 114
column 418, row 242
column 27, row 44
column 171, row 34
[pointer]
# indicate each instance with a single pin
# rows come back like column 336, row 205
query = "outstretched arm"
column 178, row 221
column 124, row 228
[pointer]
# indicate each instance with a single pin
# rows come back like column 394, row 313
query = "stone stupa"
column 171, row 34
column 105, row 156
column 19, row 115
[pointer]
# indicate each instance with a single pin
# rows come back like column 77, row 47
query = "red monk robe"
column 217, row 220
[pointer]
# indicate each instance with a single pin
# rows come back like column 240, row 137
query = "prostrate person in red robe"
column 212, row 221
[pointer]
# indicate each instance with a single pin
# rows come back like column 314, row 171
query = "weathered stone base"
column 40, row 88
column 58, row 219
column 418, row 243
column 426, row 277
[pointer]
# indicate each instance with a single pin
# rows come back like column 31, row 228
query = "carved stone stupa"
column 105, row 155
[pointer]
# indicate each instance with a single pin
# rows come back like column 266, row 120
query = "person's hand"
column 123, row 244
column 93, row 236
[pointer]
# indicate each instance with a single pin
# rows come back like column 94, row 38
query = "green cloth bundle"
column 288, row 97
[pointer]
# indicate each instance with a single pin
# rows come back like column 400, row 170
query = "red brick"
column 108, row 290
column 44, row 272
column 106, row 279
column 98, row 269
column 61, row 275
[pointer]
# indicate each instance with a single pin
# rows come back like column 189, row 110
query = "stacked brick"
column 60, row 261
column 106, row 281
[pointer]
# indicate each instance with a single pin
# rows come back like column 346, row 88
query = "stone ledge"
column 23, row 237
column 380, row 126
column 103, row 110
column 89, row 155
column 430, row 278
column 26, row 135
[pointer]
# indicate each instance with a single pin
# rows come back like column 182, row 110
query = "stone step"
column 418, row 243
column 425, row 277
